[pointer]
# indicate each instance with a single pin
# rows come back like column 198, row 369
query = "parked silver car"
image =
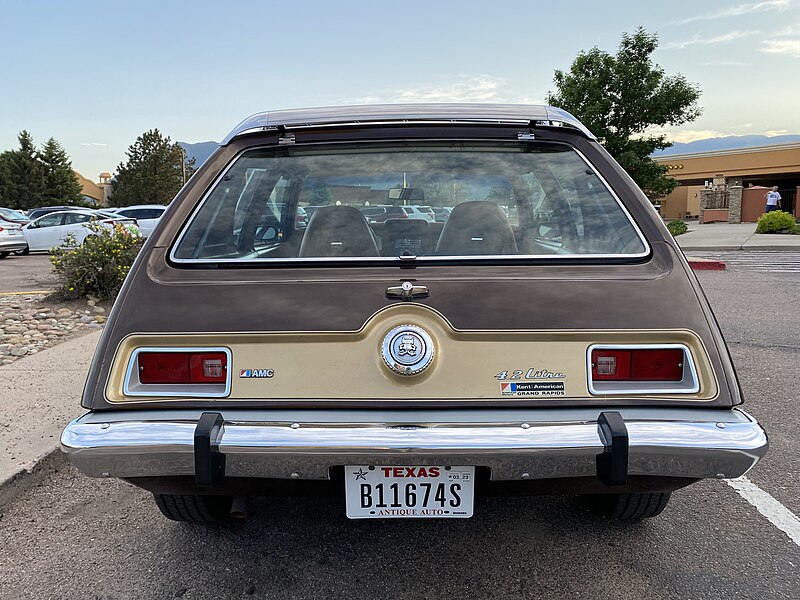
column 11, row 238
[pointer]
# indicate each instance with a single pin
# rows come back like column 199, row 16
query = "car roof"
column 520, row 114
column 70, row 210
column 119, row 208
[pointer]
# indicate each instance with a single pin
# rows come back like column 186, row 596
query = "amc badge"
column 407, row 350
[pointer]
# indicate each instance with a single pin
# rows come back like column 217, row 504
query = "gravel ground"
column 30, row 323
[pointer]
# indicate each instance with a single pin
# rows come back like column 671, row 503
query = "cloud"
column 481, row 88
column 741, row 9
column 684, row 137
column 725, row 63
column 692, row 135
column 787, row 47
column 93, row 144
column 707, row 41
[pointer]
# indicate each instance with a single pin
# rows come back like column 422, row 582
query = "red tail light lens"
column 164, row 367
column 182, row 367
column 658, row 364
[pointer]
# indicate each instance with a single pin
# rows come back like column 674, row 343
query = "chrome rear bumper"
column 514, row 444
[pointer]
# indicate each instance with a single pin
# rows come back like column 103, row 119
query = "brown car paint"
column 658, row 292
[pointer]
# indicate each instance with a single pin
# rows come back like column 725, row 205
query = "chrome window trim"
column 398, row 260
column 690, row 384
column 408, row 114
column 133, row 387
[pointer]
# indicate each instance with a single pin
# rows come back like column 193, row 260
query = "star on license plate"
column 378, row 492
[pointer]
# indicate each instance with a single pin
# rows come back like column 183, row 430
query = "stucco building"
column 728, row 185
column 96, row 192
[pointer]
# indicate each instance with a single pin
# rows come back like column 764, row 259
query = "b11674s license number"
column 376, row 492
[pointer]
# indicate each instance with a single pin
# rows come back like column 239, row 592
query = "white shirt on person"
column 772, row 198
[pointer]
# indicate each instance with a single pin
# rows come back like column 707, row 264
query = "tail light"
column 179, row 372
column 645, row 369
column 637, row 365
column 182, row 367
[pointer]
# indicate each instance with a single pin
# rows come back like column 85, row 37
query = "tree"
column 155, row 171
column 620, row 97
column 21, row 175
column 321, row 196
column 61, row 185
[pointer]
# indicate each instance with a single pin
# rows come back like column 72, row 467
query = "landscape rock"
column 29, row 324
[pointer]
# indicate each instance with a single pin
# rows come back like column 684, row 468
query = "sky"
column 96, row 75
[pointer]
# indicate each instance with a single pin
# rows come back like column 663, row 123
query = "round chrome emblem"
column 407, row 350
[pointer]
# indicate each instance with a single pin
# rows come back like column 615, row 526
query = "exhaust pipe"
column 239, row 507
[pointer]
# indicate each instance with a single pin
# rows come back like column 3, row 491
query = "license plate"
column 373, row 492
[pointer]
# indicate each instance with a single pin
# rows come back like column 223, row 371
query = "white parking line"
column 776, row 513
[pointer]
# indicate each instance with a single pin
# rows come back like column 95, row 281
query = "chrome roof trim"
column 408, row 114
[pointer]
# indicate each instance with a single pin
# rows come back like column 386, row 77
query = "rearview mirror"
column 406, row 194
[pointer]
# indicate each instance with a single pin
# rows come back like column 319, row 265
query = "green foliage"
column 321, row 196
column 22, row 185
column 61, row 185
column 31, row 178
column 775, row 221
column 677, row 227
column 620, row 97
column 99, row 266
column 155, row 171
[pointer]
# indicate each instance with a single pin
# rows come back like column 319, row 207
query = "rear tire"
column 4, row 254
column 203, row 510
column 629, row 507
column 24, row 252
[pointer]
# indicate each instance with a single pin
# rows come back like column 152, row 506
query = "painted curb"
column 705, row 264
column 29, row 475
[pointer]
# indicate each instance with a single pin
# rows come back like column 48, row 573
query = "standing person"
column 773, row 199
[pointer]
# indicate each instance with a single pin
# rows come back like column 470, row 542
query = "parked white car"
column 11, row 238
column 146, row 215
column 52, row 229
column 416, row 211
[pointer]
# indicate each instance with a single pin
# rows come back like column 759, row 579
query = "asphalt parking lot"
column 74, row 537
column 26, row 273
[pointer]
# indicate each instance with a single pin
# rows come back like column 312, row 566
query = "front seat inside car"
column 474, row 228
column 338, row 231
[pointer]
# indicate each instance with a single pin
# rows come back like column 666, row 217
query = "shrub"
column 775, row 221
column 99, row 266
column 677, row 227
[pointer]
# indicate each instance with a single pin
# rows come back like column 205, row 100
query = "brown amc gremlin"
column 302, row 319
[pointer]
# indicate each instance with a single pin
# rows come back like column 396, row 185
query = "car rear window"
column 376, row 203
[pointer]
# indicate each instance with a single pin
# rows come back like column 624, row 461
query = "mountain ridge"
column 200, row 151
column 732, row 142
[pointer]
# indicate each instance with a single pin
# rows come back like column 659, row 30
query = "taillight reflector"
column 182, row 367
column 657, row 364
